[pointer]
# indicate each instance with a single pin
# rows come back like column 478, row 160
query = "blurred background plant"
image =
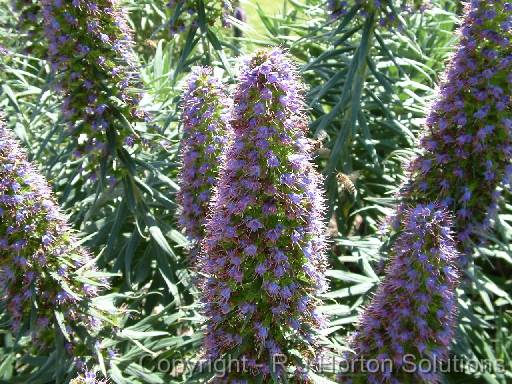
column 369, row 88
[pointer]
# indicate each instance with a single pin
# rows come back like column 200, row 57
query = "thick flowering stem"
column 207, row 132
column 184, row 13
column 412, row 315
column 90, row 50
column 47, row 281
column 264, row 248
column 467, row 146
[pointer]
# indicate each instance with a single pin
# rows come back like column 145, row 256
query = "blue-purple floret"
column 207, row 133
column 42, row 269
column 264, row 249
column 240, row 14
column 90, row 52
column 413, row 313
column 467, row 146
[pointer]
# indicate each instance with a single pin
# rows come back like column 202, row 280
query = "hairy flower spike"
column 46, row 279
column 207, row 133
column 184, row 13
column 412, row 314
column 468, row 142
column 466, row 155
column 90, row 50
column 264, row 249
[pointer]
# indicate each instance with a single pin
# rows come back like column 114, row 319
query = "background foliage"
column 368, row 91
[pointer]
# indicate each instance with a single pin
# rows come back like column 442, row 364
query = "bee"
column 347, row 182
column 317, row 145
column 151, row 43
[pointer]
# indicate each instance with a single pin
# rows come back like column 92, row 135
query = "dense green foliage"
column 368, row 92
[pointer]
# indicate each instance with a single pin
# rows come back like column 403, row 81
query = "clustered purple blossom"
column 263, row 254
column 467, row 146
column 43, row 272
column 414, row 309
column 207, row 133
column 184, row 14
column 466, row 156
column 90, row 51
column 384, row 8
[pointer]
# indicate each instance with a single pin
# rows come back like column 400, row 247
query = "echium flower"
column 263, row 254
column 184, row 13
column 384, row 8
column 467, row 146
column 207, row 132
column 47, row 280
column 413, row 313
column 90, row 50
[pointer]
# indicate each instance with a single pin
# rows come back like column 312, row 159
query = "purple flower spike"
column 90, row 52
column 413, row 313
column 467, row 149
column 467, row 145
column 42, row 269
column 268, row 194
column 207, row 133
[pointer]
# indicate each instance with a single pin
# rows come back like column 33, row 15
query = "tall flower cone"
column 264, row 248
column 207, row 133
column 48, row 282
column 466, row 152
column 90, row 51
column 413, row 313
column 467, row 146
